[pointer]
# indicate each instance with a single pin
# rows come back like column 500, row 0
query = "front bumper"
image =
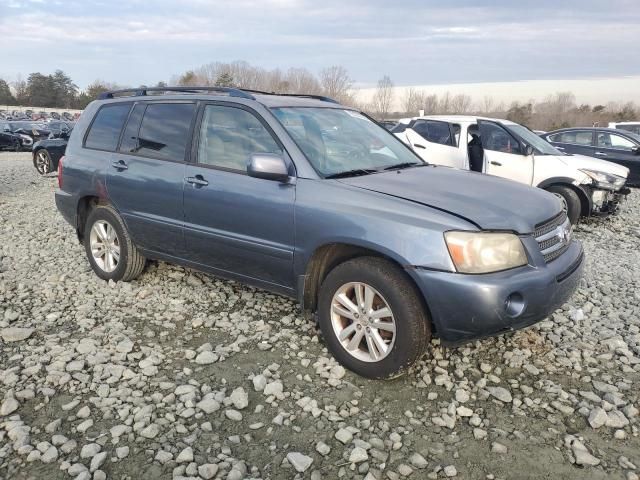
column 607, row 202
column 468, row 307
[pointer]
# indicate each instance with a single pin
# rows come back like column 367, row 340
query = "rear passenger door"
column 146, row 174
column 436, row 142
column 579, row 142
column 234, row 223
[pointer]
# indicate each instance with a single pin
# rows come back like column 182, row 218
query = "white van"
column 589, row 186
column 628, row 126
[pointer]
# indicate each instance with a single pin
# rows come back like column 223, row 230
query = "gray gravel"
column 179, row 374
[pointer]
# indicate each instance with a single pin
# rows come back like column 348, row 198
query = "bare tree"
column 301, row 80
column 461, row 103
column 337, row 84
column 488, row 104
column 413, row 101
column 430, row 104
column 383, row 97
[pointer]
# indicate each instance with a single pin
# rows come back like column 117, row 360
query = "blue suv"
column 308, row 198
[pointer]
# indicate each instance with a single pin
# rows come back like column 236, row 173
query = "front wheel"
column 372, row 318
column 42, row 162
column 571, row 201
column 109, row 248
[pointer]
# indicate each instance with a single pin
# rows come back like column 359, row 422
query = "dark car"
column 613, row 145
column 28, row 131
column 384, row 248
column 58, row 128
column 8, row 140
column 47, row 153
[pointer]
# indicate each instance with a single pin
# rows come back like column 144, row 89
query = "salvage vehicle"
column 308, row 198
column 29, row 132
column 633, row 127
column 614, row 145
column 8, row 140
column 507, row 149
column 48, row 152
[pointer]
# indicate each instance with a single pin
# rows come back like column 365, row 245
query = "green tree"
column 6, row 97
column 188, row 78
column 225, row 79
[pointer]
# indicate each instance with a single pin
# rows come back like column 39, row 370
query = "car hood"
column 491, row 203
column 590, row 163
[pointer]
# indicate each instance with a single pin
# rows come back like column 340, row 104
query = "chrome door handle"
column 119, row 165
column 493, row 162
column 602, row 154
column 559, row 148
column 197, row 181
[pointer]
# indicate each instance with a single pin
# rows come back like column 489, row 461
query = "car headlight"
column 26, row 139
column 484, row 252
column 605, row 180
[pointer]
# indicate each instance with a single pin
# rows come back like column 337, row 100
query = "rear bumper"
column 67, row 206
column 468, row 307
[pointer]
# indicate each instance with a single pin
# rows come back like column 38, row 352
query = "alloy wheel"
column 363, row 322
column 42, row 163
column 105, row 246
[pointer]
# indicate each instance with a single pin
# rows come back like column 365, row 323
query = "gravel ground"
column 179, row 374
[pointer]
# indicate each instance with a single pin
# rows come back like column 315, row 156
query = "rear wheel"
column 372, row 318
column 42, row 162
column 570, row 200
column 109, row 248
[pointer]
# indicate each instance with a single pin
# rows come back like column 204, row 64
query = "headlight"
column 605, row 180
column 26, row 139
column 483, row 252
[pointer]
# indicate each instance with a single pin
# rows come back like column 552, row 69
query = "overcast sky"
column 416, row 42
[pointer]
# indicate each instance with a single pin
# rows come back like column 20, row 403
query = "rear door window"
column 104, row 132
column 435, row 132
column 165, row 130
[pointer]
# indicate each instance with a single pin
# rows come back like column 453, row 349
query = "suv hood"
column 491, row 203
column 590, row 163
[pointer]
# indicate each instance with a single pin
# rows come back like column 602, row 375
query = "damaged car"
column 587, row 186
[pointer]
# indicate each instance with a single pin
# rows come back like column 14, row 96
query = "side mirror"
column 268, row 166
column 528, row 150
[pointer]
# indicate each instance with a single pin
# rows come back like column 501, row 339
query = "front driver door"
column 619, row 149
column 234, row 223
column 503, row 153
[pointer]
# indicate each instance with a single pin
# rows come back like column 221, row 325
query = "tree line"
column 57, row 90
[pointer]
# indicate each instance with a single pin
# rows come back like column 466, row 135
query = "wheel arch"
column 85, row 205
column 585, row 198
column 328, row 256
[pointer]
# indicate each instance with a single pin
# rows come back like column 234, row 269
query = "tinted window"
column 498, row 139
column 106, row 127
column 229, row 136
column 164, row 132
column 129, row 142
column 609, row 140
column 576, row 137
column 435, row 132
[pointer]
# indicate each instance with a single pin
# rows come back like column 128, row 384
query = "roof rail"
column 142, row 91
column 302, row 95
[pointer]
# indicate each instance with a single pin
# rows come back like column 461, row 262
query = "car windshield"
column 540, row 145
column 343, row 142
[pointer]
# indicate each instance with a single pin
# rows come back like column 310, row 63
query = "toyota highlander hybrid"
column 302, row 196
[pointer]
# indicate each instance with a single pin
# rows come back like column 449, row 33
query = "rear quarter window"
column 104, row 132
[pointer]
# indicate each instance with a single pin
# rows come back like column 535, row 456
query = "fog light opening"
column 514, row 304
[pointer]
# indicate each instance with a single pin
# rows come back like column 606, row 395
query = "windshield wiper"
column 399, row 166
column 352, row 173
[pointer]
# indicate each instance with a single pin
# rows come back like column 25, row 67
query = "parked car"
column 633, row 127
column 59, row 128
column 8, row 140
column 28, row 131
column 47, row 153
column 613, row 145
column 308, row 198
column 506, row 149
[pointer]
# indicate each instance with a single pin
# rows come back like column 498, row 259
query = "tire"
column 572, row 200
column 389, row 285
column 42, row 162
column 130, row 262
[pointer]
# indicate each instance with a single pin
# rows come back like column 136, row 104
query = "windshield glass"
column 339, row 141
column 540, row 145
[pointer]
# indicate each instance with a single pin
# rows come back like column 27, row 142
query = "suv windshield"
column 343, row 142
column 540, row 145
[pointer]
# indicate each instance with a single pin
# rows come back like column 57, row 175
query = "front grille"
column 553, row 237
